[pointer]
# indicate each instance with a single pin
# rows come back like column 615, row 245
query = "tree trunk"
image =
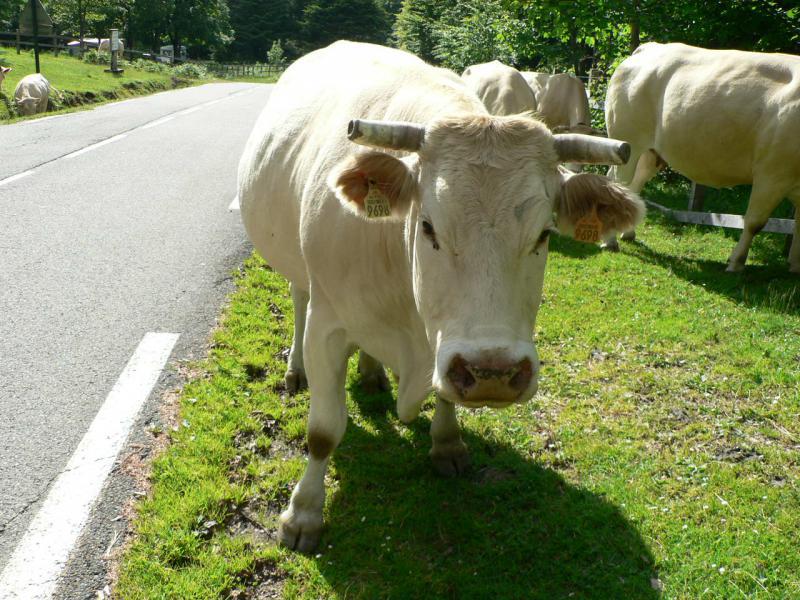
column 635, row 25
column 82, row 25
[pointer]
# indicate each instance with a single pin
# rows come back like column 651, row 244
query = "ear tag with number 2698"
column 589, row 227
column 376, row 203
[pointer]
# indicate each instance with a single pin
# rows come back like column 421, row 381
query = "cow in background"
column 32, row 94
column 105, row 46
column 562, row 102
column 501, row 88
column 719, row 117
column 426, row 249
column 3, row 71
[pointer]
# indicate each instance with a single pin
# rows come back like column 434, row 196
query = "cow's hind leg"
column 373, row 376
column 763, row 200
column 295, row 377
column 449, row 453
column 647, row 166
column 326, row 356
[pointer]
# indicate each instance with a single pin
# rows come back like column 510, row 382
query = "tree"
column 325, row 21
column 202, row 23
column 258, row 23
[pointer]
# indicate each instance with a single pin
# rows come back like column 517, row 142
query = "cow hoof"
column 375, row 382
column 734, row 268
column 610, row 246
column 295, row 380
column 451, row 460
column 300, row 531
column 629, row 236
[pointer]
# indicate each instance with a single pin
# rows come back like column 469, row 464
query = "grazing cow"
column 561, row 101
column 719, row 117
column 32, row 94
column 501, row 88
column 105, row 46
column 427, row 250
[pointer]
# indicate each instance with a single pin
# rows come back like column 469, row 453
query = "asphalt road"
column 96, row 249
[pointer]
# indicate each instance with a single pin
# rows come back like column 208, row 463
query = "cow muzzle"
column 493, row 379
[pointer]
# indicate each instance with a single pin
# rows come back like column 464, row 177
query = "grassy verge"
column 79, row 83
column 660, row 454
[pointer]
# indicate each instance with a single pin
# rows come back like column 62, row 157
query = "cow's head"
column 26, row 105
column 3, row 71
column 480, row 197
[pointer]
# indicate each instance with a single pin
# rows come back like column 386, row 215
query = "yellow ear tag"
column 589, row 227
column 376, row 203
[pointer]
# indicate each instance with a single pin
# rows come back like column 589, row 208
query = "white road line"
column 34, row 568
column 234, row 205
column 15, row 177
column 188, row 111
column 116, row 138
column 160, row 121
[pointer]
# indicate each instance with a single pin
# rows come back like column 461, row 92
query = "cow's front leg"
column 326, row 353
column 449, row 453
column 763, row 200
column 295, row 377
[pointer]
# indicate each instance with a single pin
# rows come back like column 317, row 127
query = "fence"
column 243, row 70
column 22, row 40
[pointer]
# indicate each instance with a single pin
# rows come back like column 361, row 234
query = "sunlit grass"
column 661, row 450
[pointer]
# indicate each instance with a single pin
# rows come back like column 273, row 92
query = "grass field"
column 659, row 459
column 79, row 81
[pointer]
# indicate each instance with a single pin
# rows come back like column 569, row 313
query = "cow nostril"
column 522, row 378
column 459, row 376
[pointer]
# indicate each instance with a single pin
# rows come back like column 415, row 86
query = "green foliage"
column 257, row 24
column 190, row 70
column 96, row 57
column 325, row 21
column 572, row 36
column 150, row 66
column 275, row 56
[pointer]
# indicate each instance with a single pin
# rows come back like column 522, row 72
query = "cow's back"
column 717, row 116
column 502, row 89
column 563, row 102
column 301, row 135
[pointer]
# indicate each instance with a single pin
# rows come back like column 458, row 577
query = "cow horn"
column 579, row 148
column 395, row 135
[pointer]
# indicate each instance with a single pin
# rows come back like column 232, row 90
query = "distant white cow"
column 561, row 101
column 3, row 71
column 105, row 46
column 427, row 249
column 501, row 88
column 719, row 117
column 32, row 94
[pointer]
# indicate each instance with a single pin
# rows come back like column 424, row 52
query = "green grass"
column 662, row 449
column 80, row 82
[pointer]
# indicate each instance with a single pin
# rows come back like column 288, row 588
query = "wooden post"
column 17, row 40
column 697, row 196
column 787, row 246
column 35, row 35
column 55, row 45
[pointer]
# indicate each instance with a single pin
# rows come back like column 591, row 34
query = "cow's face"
column 480, row 201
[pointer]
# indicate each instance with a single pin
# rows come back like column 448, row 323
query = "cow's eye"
column 543, row 237
column 427, row 229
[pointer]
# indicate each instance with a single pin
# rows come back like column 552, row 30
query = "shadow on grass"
column 510, row 528
column 770, row 287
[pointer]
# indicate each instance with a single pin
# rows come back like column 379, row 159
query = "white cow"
column 561, row 101
column 427, row 252
column 719, row 117
column 501, row 88
column 105, row 46
column 3, row 71
column 32, row 94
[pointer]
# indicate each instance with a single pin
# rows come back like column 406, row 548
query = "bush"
column 191, row 70
column 150, row 66
column 96, row 57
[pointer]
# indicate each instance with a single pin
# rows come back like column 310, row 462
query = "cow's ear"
column 374, row 185
column 591, row 207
